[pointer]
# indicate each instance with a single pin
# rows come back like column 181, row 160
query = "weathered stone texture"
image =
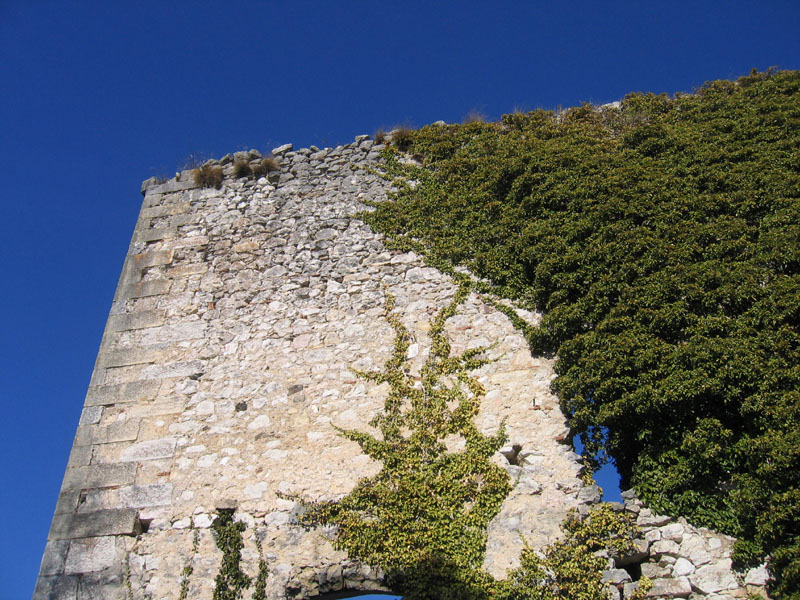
column 227, row 361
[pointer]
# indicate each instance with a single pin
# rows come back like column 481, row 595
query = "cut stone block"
column 137, row 391
column 154, row 287
column 93, row 554
column 133, row 356
column 152, row 258
column 136, row 320
column 140, row 496
column 175, row 369
column 79, row 456
column 115, row 432
column 91, row 415
column 154, row 409
column 167, row 209
column 67, row 501
column 108, row 475
column 56, row 588
column 149, row 450
column 152, row 234
column 174, row 333
column 94, row 524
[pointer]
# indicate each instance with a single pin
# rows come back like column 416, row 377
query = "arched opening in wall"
column 360, row 594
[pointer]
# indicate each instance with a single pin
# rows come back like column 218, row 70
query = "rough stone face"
column 670, row 588
column 682, row 567
column 616, row 576
column 757, row 576
column 227, row 362
column 715, row 578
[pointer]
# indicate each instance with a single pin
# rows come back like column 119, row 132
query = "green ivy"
column 230, row 581
column 661, row 241
column 260, row 586
column 188, row 569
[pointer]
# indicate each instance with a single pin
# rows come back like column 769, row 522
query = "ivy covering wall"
column 423, row 518
column 661, row 240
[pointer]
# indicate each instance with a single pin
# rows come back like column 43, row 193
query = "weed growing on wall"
column 267, row 165
column 242, row 168
column 661, row 242
column 260, row 585
column 209, row 176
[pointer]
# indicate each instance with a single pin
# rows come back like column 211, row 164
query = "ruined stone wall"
column 225, row 364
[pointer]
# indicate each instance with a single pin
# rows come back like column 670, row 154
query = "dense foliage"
column 661, row 240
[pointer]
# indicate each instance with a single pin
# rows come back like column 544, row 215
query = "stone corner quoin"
column 227, row 361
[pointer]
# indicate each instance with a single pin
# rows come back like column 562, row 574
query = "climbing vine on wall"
column 230, row 581
column 423, row 517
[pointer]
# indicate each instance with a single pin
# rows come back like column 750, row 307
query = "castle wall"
column 226, row 360
column 225, row 364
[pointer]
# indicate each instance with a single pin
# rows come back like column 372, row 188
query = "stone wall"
column 226, row 362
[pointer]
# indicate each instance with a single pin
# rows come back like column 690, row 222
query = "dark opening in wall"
column 634, row 570
column 512, row 453
column 141, row 526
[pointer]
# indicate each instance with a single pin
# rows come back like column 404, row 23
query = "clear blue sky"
column 97, row 96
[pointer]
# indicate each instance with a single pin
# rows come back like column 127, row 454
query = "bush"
column 474, row 116
column 267, row 165
column 402, row 137
column 241, row 168
column 209, row 176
